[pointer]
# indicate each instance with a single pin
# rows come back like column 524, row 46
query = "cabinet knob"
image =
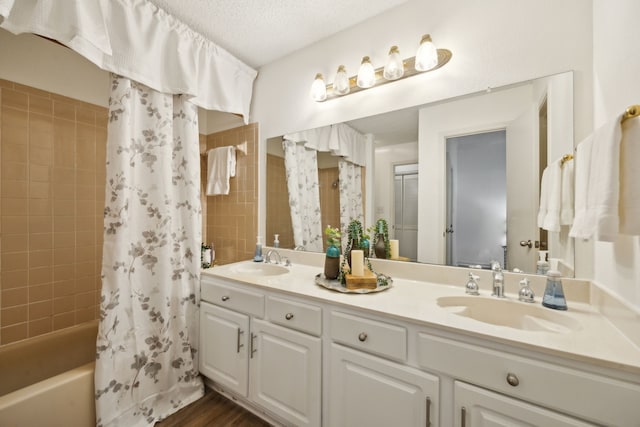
column 225, row 298
column 362, row 337
column 288, row 316
column 512, row 380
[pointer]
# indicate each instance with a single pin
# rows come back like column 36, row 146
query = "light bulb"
column 427, row 55
column 318, row 89
column 394, row 68
column 341, row 82
column 366, row 74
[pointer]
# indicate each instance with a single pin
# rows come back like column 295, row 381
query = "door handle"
column 253, row 349
column 239, row 344
column 529, row 243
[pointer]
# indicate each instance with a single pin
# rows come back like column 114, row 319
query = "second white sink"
column 511, row 314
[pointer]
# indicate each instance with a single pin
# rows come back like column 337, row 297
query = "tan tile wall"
column 51, row 209
column 278, row 212
column 232, row 220
column 329, row 198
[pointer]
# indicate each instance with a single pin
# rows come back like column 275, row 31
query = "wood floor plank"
column 213, row 409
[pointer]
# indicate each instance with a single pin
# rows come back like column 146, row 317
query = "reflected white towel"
column 630, row 177
column 566, row 197
column 221, row 165
column 582, row 161
column 550, row 197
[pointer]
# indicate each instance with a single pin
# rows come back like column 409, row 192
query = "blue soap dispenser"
column 257, row 256
column 553, row 292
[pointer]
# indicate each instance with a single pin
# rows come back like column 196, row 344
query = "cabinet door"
column 224, row 347
column 368, row 391
column 285, row 373
column 477, row 407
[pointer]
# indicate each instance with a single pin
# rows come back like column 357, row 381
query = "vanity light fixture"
column 318, row 89
column 366, row 74
column 341, row 84
column 427, row 58
column 394, row 68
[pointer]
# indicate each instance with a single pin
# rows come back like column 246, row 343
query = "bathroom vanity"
column 419, row 353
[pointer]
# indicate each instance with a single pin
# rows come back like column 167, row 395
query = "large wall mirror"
column 458, row 181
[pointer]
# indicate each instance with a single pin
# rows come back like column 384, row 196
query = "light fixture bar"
column 444, row 55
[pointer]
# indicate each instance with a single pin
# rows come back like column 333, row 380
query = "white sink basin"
column 259, row 269
column 511, row 314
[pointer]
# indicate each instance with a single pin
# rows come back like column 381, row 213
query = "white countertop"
column 595, row 339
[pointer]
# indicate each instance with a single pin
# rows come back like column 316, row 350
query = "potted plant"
column 381, row 244
column 332, row 256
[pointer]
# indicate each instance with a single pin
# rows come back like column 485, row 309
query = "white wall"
column 616, row 67
column 511, row 42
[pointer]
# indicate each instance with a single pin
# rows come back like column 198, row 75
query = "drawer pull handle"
column 362, row 337
column 463, row 417
column 239, row 344
column 288, row 316
column 428, row 412
column 253, row 349
column 512, row 380
column 225, row 298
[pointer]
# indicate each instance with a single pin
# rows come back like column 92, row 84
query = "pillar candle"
column 357, row 263
column 394, row 248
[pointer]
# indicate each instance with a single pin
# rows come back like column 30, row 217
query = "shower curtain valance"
column 339, row 139
column 138, row 40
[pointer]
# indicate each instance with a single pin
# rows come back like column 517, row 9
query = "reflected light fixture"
column 366, row 74
column 394, row 68
column 341, row 84
column 427, row 55
column 427, row 58
column 318, row 89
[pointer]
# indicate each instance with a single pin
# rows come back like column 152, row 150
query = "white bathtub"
column 48, row 380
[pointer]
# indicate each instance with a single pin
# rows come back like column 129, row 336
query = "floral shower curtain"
column 301, row 169
column 146, row 361
column 350, row 178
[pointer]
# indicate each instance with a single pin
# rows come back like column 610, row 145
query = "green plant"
column 333, row 235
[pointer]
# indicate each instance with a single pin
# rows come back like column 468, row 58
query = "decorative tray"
column 335, row 285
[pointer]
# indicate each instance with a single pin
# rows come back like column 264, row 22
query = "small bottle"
column 542, row 266
column 553, row 292
column 257, row 257
column 276, row 242
column 213, row 254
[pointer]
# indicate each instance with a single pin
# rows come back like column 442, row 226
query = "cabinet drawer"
column 369, row 335
column 233, row 298
column 295, row 315
column 592, row 397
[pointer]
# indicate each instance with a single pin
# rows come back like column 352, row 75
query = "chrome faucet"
column 498, row 280
column 267, row 258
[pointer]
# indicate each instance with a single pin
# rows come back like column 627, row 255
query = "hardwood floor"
column 213, row 409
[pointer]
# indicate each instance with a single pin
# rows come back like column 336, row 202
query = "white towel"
column 604, row 182
column 221, row 165
column 550, row 197
column 582, row 161
column 566, row 197
column 630, row 177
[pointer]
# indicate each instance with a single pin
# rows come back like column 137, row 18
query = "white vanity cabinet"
column 367, row 389
column 477, row 407
column 276, row 368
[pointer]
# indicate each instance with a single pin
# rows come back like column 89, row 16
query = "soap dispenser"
column 257, row 257
column 553, row 292
column 276, row 241
column 542, row 266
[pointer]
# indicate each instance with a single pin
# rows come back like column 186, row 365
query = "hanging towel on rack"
column 582, row 165
column 550, row 197
column 566, row 196
column 221, row 165
column 630, row 177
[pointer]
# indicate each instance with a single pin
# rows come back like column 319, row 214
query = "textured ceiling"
column 260, row 31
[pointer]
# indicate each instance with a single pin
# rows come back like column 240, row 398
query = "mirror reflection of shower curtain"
column 301, row 168
column 350, row 180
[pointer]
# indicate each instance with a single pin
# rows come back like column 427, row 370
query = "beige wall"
column 51, row 209
column 232, row 220
column 278, row 214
